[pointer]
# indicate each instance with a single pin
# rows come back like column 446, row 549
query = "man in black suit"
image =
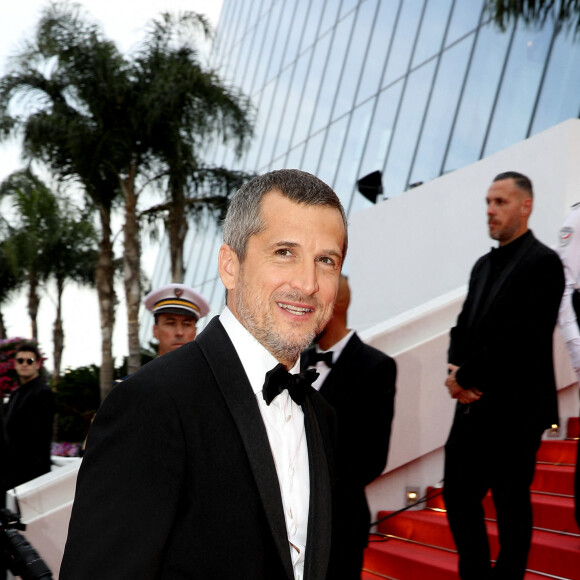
column 359, row 382
column 28, row 417
column 193, row 468
column 501, row 374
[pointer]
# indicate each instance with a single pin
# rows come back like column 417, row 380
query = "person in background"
column 569, row 252
column 215, row 460
column 359, row 382
column 501, row 373
column 176, row 309
column 28, row 418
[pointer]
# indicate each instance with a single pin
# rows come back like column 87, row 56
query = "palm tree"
column 74, row 258
column 66, row 128
column 10, row 280
column 31, row 224
column 563, row 14
column 186, row 107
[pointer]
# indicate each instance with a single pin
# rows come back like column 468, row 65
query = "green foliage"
column 560, row 13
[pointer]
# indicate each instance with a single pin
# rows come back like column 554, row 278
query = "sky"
column 123, row 21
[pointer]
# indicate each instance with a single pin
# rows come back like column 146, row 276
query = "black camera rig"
column 18, row 555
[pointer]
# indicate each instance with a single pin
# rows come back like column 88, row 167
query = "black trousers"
column 485, row 454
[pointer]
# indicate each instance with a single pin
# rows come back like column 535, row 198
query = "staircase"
column 417, row 545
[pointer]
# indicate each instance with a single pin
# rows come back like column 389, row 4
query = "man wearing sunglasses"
column 29, row 418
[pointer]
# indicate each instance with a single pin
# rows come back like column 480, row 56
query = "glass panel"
column 269, row 41
column 312, row 153
column 311, row 90
column 355, row 58
column 255, row 57
column 381, row 130
column 312, row 22
column 293, row 98
column 477, row 99
column 331, row 154
column 281, row 38
column 514, row 108
column 405, row 34
column 294, row 159
column 378, row 51
column 329, row 16
column 273, row 124
column 263, row 109
column 464, row 19
column 332, row 73
column 438, row 123
column 243, row 58
column 348, row 5
column 297, row 31
column 560, row 97
column 348, row 165
column 432, row 30
column 407, row 129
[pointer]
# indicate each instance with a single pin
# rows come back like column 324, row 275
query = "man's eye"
column 326, row 260
column 283, row 252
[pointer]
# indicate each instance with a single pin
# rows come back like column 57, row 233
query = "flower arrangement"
column 66, row 449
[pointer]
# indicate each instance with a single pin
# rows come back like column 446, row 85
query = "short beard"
column 283, row 348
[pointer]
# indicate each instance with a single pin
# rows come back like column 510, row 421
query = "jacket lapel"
column 240, row 399
column 320, row 510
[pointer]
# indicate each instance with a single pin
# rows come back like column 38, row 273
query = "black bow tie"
column 279, row 379
column 311, row 357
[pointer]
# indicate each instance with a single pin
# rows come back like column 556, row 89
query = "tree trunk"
column 132, row 269
column 106, row 293
column 177, row 227
column 33, row 302
column 2, row 327
column 58, row 334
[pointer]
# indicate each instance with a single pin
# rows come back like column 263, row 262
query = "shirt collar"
column 256, row 359
column 338, row 347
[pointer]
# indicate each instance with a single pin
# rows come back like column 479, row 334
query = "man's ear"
column 228, row 266
column 155, row 333
column 527, row 206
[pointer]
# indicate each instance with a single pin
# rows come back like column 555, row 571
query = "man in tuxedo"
column 195, row 468
column 359, row 382
column 501, row 374
column 28, row 418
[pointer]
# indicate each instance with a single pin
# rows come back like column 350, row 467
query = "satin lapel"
column 231, row 378
column 320, row 510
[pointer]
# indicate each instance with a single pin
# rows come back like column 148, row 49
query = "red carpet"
column 420, row 546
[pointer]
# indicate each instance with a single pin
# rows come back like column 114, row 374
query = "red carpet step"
column 421, row 546
column 573, row 429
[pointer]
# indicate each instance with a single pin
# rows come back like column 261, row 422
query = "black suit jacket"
column 29, row 420
column 503, row 340
column 361, row 388
column 178, row 479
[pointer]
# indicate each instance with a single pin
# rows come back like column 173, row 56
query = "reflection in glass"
column 439, row 119
column 328, row 87
column 478, row 97
column 432, row 30
column 403, row 42
column 312, row 153
column 560, row 97
column 525, row 68
column 378, row 51
column 355, row 58
column 464, row 19
column 332, row 148
column 407, row 128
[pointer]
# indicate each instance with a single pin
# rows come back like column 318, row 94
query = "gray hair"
column 244, row 217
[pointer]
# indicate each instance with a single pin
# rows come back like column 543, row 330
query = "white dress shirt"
column 322, row 368
column 284, row 421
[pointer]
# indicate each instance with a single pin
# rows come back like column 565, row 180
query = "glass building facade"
column 413, row 88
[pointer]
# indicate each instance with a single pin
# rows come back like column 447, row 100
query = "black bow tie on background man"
column 279, row 379
column 312, row 356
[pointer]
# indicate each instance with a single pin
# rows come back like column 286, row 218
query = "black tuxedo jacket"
column 29, row 420
column 503, row 338
column 361, row 388
column 178, row 479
